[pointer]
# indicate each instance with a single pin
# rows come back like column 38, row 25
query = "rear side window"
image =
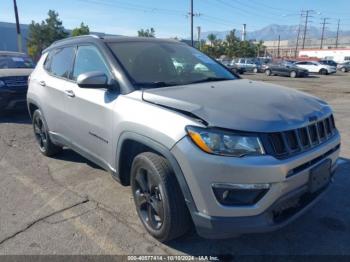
column 89, row 59
column 61, row 62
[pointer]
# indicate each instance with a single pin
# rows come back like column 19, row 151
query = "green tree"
column 212, row 39
column 146, row 33
column 43, row 34
column 82, row 30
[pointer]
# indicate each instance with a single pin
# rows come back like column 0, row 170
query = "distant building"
column 338, row 55
column 8, row 36
column 288, row 47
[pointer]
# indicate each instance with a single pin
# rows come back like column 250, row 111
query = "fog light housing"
column 239, row 194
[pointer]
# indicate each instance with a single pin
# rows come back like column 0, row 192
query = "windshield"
column 13, row 61
column 159, row 64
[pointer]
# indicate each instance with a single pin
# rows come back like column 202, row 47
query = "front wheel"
column 255, row 70
column 343, row 70
column 268, row 72
column 293, row 74
column 323, row 72
column 158, row 198
column 42, row 137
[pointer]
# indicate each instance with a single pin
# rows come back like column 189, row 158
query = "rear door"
column 53, row 84
column 92, row 114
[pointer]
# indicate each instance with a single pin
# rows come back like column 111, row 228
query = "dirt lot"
column 66, row 205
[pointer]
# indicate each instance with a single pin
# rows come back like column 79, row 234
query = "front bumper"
column 285, row 210
column 202, row 170
column 11, row 98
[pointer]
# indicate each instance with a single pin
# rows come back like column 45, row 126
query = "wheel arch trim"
column 165, row 152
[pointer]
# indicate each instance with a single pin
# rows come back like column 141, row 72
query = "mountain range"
column 271, row 32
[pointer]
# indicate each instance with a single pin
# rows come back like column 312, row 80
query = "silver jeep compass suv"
column 197, row 144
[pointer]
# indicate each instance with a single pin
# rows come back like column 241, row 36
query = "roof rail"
column 75, row 37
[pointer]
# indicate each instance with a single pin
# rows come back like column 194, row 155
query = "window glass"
column 89, row 59
column 159, row 64
column 62, row 62
column 347, row 58
column 15, row 61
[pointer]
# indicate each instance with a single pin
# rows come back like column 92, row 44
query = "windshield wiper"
column 157, row 84
column 211, row 79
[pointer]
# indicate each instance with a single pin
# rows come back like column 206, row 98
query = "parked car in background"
column 344, row 67
column 14, row 71
column 230, row 64
column 284, row 68
column 316, row 67
column 328, row 62
column 249, row 64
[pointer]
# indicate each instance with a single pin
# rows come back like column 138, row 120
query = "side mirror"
column 95, row 79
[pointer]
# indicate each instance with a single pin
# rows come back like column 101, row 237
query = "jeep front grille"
column 288, row 143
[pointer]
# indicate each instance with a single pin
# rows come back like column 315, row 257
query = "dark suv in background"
column 14, row 71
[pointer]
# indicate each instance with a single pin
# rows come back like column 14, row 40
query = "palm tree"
column 212, row 39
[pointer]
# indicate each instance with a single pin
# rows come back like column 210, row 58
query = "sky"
column 170, row 18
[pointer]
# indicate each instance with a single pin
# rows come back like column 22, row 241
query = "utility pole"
column 19, row 37
column 191, row 14
column 323, row 28
column 278, row 46
column 307, row 16
column 297, row 42
column 337, row 37
column 199, row 37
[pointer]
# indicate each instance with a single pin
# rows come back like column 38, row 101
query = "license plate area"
column 320, row 176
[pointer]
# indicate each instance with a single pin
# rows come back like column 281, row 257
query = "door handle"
column 69, row 93
column 42, row 83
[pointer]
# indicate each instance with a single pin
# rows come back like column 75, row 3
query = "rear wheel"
column 158, row 198
column 42, row 137
column 323, row 71
column 343, row 69
column 293, row 74
column 255, row 70
column 268, row 72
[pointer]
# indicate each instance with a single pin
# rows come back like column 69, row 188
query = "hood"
column 15, row 72
column 242, row 104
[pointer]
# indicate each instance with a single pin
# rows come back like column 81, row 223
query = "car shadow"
column 71, row 156
column 324, row 229
column 17, row 117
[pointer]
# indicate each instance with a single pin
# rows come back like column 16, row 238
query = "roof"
column 108, row 39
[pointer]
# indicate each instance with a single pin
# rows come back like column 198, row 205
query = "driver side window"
column 89, row 59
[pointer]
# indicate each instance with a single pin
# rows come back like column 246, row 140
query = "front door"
column 91, row 109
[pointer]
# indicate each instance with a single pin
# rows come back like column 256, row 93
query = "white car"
column 315, row 67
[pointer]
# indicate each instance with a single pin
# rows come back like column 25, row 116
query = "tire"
column 343, row 70
column 255, row 70
column 268, row 72
column 42, row 137
column 293, row 74
column 158, row 199
column 323, row 71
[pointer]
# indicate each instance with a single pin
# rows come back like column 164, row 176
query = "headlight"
column 2, row 83
column 225, row 143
